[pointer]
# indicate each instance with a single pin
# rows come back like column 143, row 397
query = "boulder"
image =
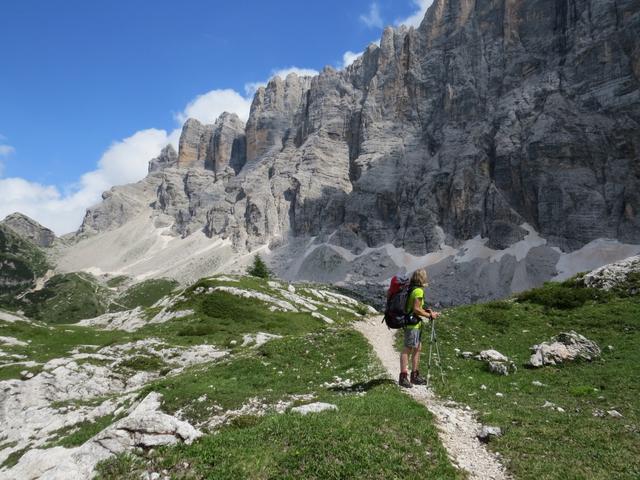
column 563, row 348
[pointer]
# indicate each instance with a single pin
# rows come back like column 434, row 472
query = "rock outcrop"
column 565, row 347
column 145, row 427
column 29, row 229
column 616, row 275
column 493, row 119
column 168, row 158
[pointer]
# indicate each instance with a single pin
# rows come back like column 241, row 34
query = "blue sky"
column 90, row 89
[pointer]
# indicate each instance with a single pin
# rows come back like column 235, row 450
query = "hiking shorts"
column 412, row 337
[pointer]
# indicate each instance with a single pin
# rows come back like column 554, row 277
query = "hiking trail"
column 457, row 426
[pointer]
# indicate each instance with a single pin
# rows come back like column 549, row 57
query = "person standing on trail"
column 413, row 333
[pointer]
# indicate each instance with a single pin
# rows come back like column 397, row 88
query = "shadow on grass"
column 364, row 387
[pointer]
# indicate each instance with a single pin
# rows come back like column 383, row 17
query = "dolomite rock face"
column 492, row 115
column 29, row 229
column 194, row 144
column 228, row 145
column 168, row 158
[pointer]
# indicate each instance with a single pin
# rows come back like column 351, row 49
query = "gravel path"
column 457, row 426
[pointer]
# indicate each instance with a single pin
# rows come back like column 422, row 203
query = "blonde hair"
column 419, row 278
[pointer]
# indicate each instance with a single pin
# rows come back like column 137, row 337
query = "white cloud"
column 250, row 88
column 207, row 107
column 124, row 162
column 6, row 150
column 415, row 19
column 373, row 18
column 349, row 57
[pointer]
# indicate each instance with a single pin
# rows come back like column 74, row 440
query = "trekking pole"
column 433, row 340
column 438, row 357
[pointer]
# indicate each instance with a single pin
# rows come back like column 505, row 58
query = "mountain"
column 497, row 144
column 21, row 263
column 29, row 229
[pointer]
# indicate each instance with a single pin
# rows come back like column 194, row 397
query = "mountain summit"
column 496, row 123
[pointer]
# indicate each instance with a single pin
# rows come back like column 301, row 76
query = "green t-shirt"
column 416, row 293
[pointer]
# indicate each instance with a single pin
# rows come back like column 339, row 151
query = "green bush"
column 563, row 296
column 630, row 287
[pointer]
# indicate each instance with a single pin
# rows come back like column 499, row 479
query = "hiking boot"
column 416, row 379
column 404, row 381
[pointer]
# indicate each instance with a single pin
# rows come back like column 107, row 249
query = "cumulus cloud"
column 349, row 57
column 372, row 19
column 62, row 211
column 124, row 162
column 207, row 107
column 250, row 88
column 415, row 19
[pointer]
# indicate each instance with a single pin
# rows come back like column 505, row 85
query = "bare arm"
column 418, row 310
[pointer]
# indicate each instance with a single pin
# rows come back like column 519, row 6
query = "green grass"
column 292, row 365
column 14, row 458
column 67, row 298
column 49, row 342
column 145, row 294
column 76, row 435
column 545, row 443
column 143, row 363
column 117, row 281
column 383, row 434
column 377, row 432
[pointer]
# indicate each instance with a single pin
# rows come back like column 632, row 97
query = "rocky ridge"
column 29, row 229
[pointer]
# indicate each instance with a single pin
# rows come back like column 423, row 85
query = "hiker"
column 413, row 331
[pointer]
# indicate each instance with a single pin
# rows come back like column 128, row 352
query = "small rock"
column 466, row 354
column 498, row 368
column 483, row 387
column 491, row 355
column 598, row 413
column 548, row 404
column 614, row 413
column 314, row 408
column 560, row 409
column 498, row 394
column 487, row 433
column 536, row 383
column 26, row 374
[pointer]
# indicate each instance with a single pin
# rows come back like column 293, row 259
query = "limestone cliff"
column 492, row 115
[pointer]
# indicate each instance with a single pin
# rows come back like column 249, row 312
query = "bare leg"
column 415, row 359
column 404, row 359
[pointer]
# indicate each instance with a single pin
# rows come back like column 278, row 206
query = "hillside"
column 208, row 381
